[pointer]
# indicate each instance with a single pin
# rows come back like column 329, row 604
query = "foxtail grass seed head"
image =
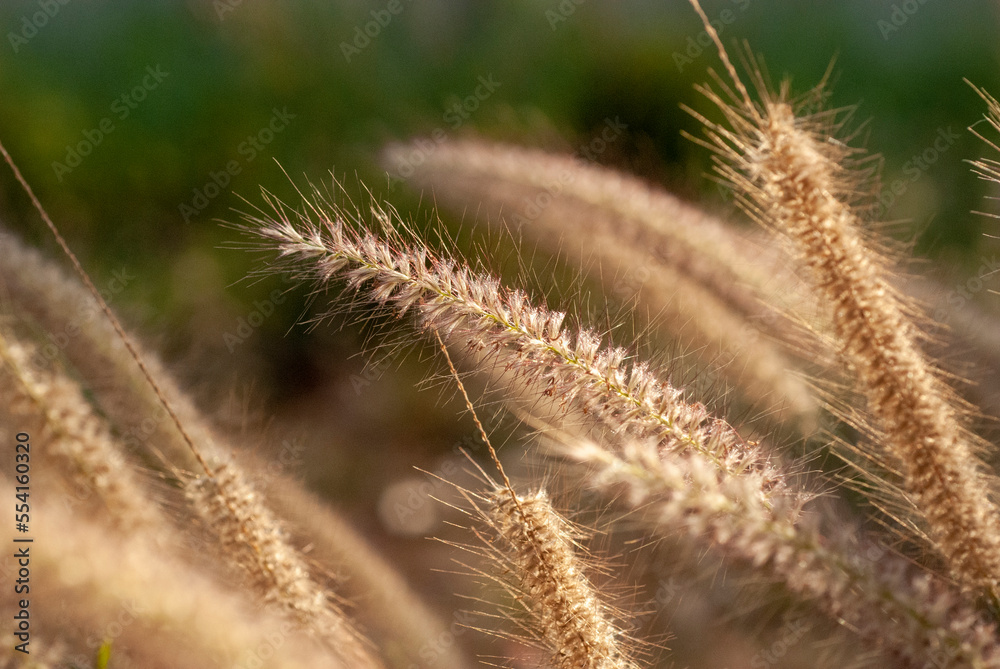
column 568, row 614
column 906, row 612
column 252, row 539
column 106, row 417
column 703, row 279
column 791, row 175
column 317, row 244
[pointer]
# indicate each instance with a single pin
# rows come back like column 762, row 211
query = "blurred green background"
column 303, row 81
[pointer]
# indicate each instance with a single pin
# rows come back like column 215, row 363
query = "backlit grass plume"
column 689, row 468
column 902, row 611
column 251, row 538
column 536, row 546
column 704, row 282
column 795, row 180
column 317, row 243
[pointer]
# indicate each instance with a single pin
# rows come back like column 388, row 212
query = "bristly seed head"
column 797, row 181
column 464, row 306
column 569, row 616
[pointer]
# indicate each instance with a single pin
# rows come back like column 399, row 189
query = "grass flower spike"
column 792, row 177
column 318, row 245
column 698, row 278
column 535, row 545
